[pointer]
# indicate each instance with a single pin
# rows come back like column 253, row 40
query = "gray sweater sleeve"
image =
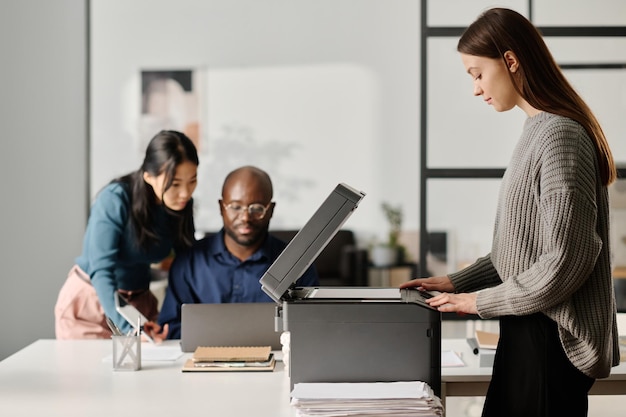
column 481, row 274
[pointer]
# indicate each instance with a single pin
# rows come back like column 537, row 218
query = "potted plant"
column 390, row 252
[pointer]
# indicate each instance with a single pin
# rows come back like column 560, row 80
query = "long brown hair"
column 539, row 79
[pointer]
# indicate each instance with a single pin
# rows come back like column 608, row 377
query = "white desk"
column 472, row 381
column 51, row 378
column 69, row 378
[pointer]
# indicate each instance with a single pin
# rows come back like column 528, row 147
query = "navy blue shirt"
column 208, row 273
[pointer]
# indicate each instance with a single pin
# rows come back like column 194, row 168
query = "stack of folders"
column 397, row 399
column 231, row 359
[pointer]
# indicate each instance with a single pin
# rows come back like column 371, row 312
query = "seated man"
column 227, row 267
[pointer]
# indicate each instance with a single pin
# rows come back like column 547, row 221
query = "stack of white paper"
column 397, row 399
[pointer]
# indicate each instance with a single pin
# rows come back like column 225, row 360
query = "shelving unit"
column 427, row 173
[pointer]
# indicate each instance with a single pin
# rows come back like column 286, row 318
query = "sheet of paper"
column 378, row 390
column 150, row 352
column 450, row 358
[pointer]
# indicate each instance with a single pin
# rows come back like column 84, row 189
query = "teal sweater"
column 110, row 256
column 551, row 250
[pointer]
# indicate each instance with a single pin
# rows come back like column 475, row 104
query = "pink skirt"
column 79, row 315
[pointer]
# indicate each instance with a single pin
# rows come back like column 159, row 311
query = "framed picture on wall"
column 170, row 99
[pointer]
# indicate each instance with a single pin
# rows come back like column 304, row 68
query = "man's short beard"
column 246, row 242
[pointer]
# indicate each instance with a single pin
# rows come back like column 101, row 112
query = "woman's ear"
column 511, row 60
column 149, row 179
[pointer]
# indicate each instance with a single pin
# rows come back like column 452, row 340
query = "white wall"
column 332, row 84
column 43, row 164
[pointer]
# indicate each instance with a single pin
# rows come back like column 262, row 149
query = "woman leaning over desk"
column 136, row 220
column 548, row 276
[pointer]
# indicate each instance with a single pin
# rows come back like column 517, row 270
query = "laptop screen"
column 310, row 241
column 228, row 324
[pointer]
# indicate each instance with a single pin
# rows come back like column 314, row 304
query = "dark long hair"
column 539, row 79
column 165, row 152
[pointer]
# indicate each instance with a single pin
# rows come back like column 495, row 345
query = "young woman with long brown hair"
column 135, row 221
column 548, row 275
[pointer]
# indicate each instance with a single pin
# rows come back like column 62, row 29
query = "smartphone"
column 131, row 314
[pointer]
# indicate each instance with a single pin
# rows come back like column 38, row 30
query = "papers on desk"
column 412, row 398
column 154, row 352
column 450, row 359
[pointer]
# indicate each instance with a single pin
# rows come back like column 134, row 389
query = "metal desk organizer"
column 350, row 334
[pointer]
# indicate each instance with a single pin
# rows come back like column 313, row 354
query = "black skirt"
column 532, row 376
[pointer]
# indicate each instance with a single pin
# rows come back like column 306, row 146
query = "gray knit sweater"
column 550, row 248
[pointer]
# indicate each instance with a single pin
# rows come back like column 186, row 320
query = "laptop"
column 230, row 324
column 279, row 280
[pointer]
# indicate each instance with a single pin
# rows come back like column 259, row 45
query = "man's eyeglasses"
column 256, row 211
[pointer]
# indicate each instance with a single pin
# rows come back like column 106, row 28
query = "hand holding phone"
column 132, row 315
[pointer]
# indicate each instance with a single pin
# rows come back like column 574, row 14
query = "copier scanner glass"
column 309, row 242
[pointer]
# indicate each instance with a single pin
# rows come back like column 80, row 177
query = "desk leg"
column 443, row 397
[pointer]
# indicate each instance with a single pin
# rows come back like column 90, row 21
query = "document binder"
column 230, row 359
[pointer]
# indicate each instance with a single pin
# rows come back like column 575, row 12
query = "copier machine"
column 350, row 334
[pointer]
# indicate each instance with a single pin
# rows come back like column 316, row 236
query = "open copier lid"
column 307, row 244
